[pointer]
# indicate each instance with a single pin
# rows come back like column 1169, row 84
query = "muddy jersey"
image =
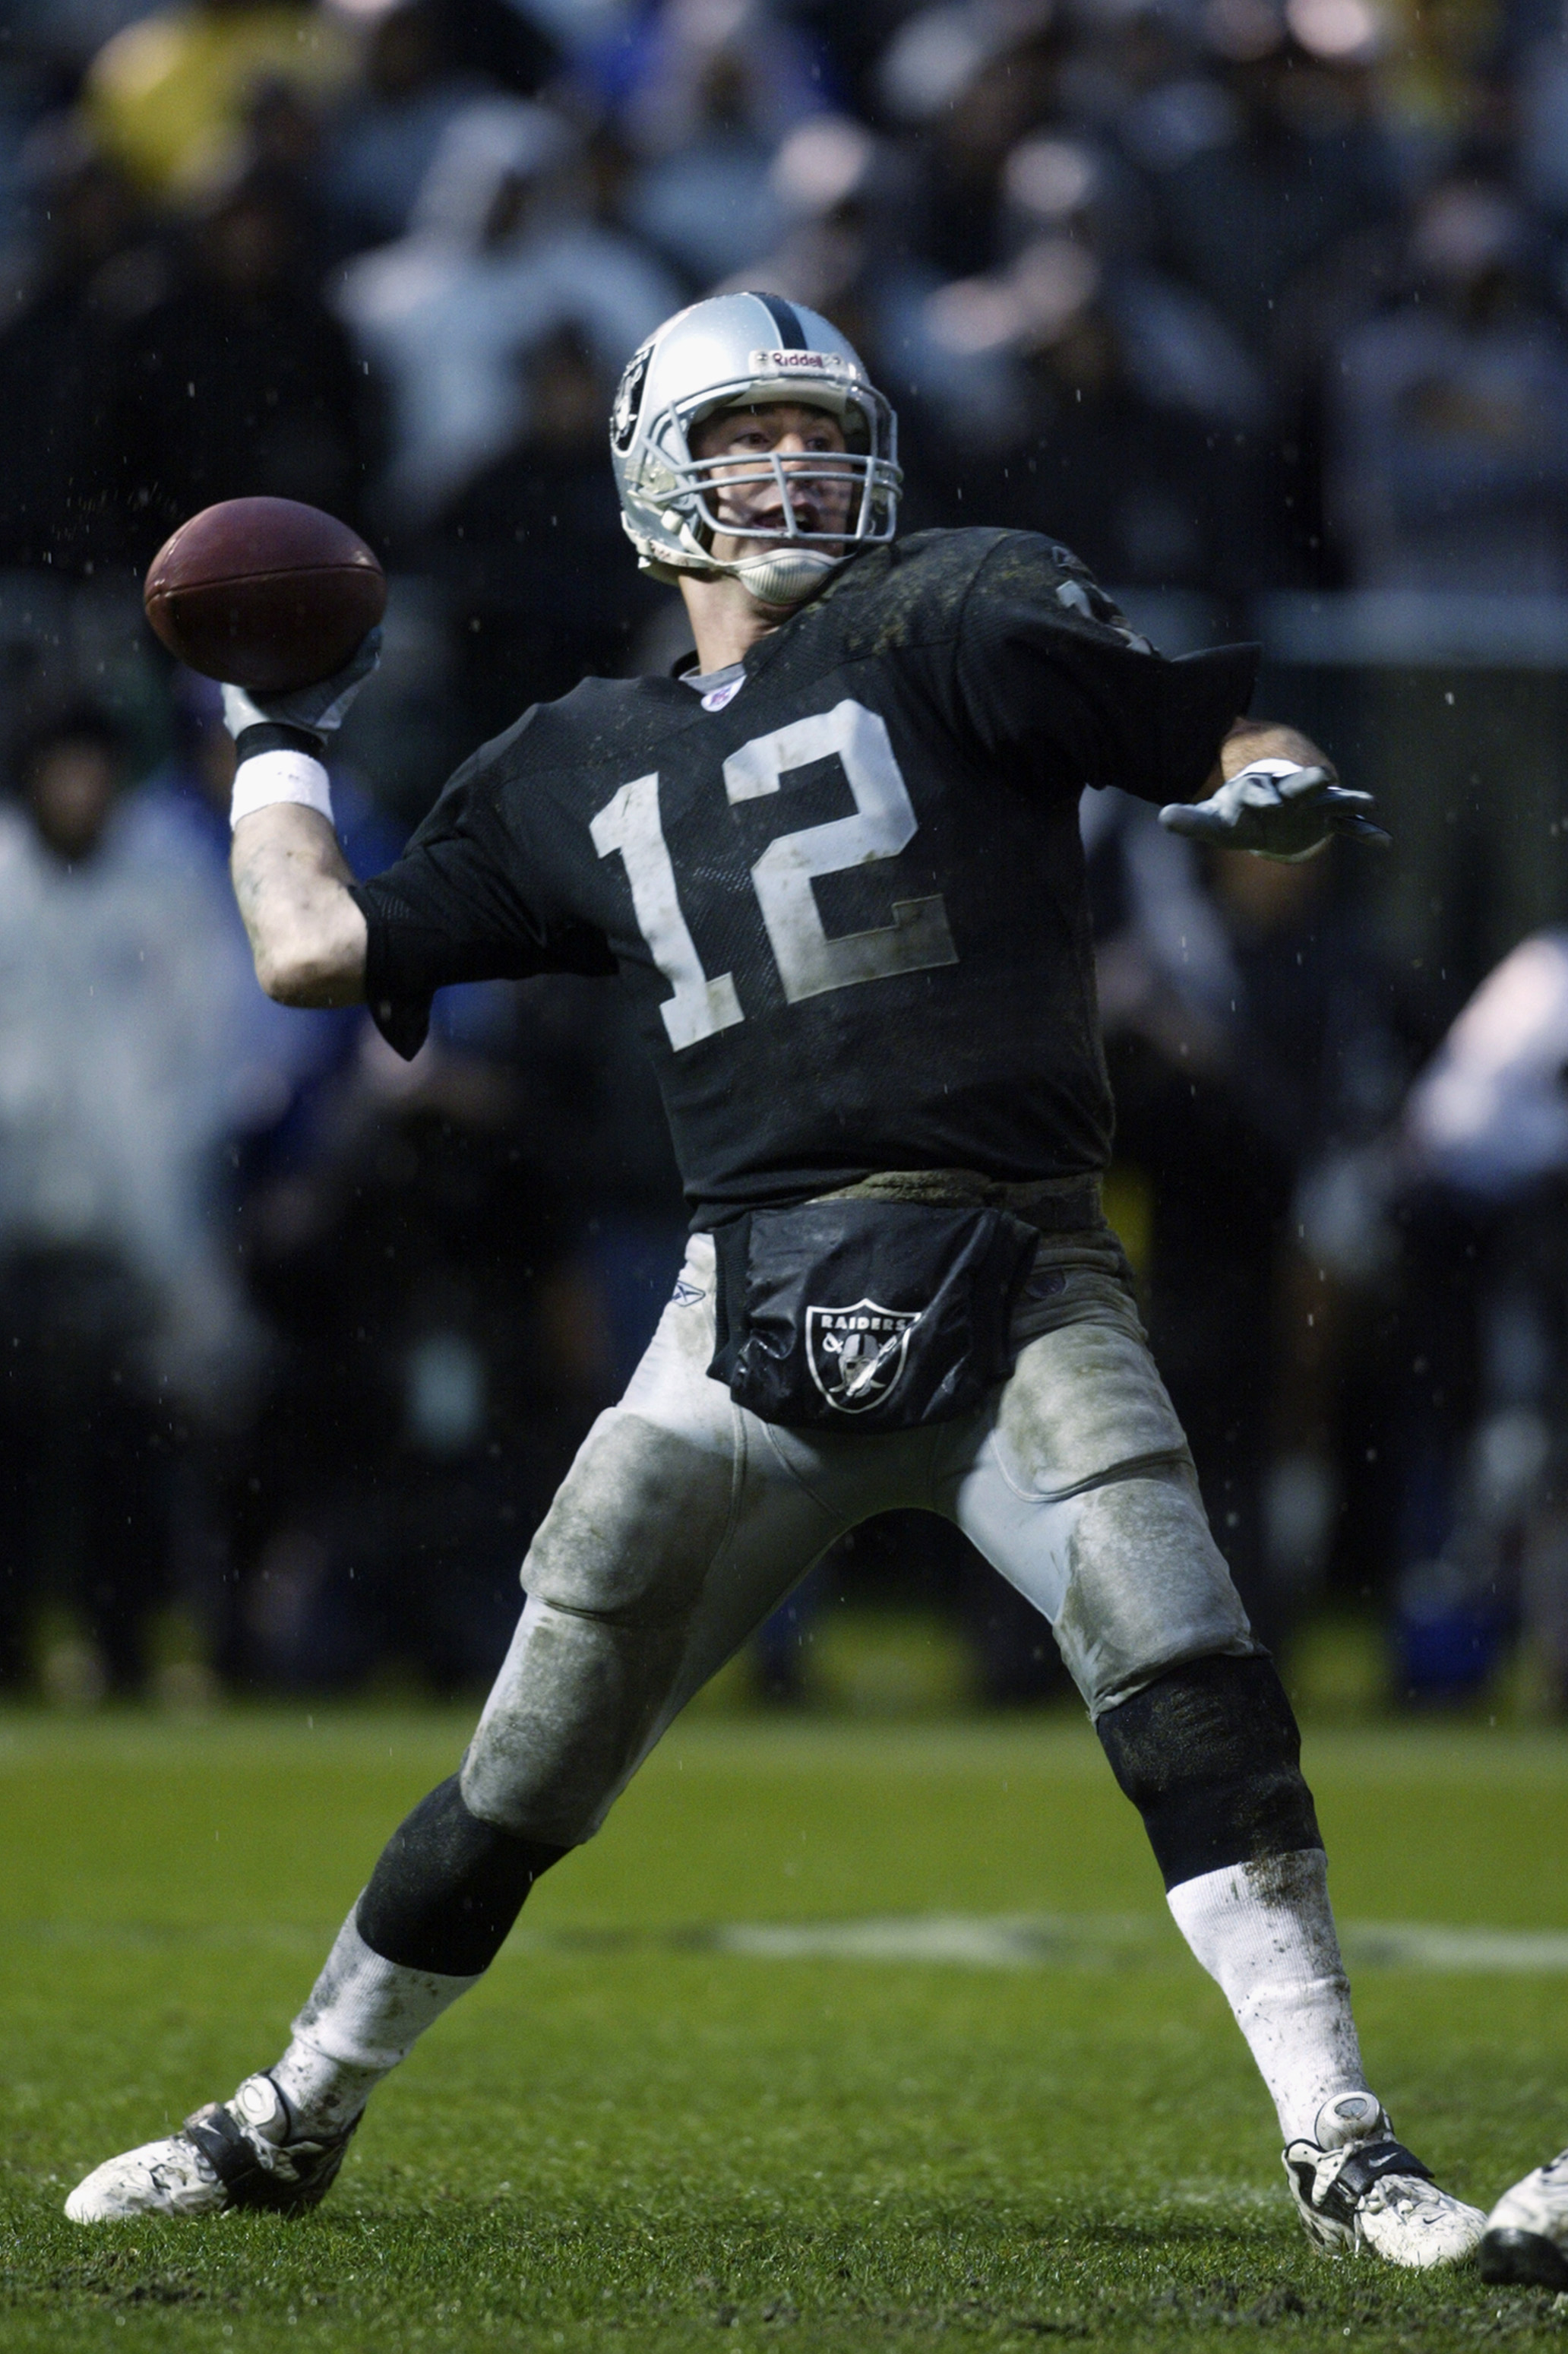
column 846, row 890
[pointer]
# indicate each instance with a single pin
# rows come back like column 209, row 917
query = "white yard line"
column 1089, row 1941
column 1113, row 1940
column 1425, row 1945
column 972, row 1940
column 1082, row 1941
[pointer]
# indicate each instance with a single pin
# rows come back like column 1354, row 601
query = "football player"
column 836, row 859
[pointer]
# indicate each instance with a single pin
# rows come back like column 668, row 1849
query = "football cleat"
column 1355, row 2187
column 242, row 2152
column 1527, row 2231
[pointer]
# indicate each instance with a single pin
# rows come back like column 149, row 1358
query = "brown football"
column 264, row 592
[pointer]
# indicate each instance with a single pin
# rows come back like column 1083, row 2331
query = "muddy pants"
column 685, row 1521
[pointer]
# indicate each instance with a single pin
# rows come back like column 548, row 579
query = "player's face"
column 749, row 491
column 71, row 791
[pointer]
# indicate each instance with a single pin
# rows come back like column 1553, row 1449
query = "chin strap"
column 774, row 575
column 785, row 576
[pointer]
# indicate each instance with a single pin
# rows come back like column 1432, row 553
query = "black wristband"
column 276, row 736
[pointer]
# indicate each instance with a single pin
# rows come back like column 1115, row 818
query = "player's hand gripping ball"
column 264, row 594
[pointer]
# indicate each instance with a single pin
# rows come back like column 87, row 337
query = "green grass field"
column 653, row 2122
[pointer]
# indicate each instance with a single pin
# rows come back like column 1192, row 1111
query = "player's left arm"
column 1272, row 792
column 1044, row 664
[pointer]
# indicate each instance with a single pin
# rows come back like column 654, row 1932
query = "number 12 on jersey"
column 810, row 963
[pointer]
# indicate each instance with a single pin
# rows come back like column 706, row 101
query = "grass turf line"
column 636, row 2148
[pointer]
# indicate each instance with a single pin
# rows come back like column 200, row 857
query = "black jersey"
column 849, row 899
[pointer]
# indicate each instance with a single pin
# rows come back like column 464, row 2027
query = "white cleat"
column 1527, row 2231
column 243, row 2152
column 1355, row 2187
column 162, row 2177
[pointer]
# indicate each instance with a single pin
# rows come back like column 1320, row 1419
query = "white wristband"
column 269, row 777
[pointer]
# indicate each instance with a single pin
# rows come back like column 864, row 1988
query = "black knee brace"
column 448, row 1888
column 1211, row 1756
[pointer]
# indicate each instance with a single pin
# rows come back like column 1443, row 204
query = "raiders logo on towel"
column 788, row 1359
column 857, row 1355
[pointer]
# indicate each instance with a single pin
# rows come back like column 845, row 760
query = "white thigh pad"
column 635, row 1523
column 1083, row 1400
column 1083, row 1495
column 568, row 1718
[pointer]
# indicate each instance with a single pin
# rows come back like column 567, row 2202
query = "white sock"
column 363, row 2016
column 324, row 2096
column 1265, row 1932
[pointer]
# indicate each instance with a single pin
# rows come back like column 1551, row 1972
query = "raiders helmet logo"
column 628, row 406
column 857, row 1354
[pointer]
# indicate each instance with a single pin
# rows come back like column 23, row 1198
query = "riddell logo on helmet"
column 799, row 363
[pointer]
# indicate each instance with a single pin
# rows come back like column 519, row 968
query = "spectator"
column 663, row 101
column 967, row 81
column 1488, row 1116
column 71, row 32
column 442, row 1358
column 167, row 97
column 1481, row 1164
column 86, row 267
column 282, row 1062
column 282, row 145
column 835, row 187
column 531, row 549
column 511, row 44
column 1131, row 481
column 1239, row 1014
column 382, row 138
column 236, row 383
column 1447, row 476
column 1273, row 179
column 122, row 1305
column 1449, row 453
column 723, row 83
column 1119, row 413
column 1542, row 99
column 1140, row 77
column 502, row 254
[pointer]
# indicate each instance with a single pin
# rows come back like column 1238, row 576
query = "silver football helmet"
column 740, row 351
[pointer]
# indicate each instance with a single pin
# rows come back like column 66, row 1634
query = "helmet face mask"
column 742, row 351
column 826, row 478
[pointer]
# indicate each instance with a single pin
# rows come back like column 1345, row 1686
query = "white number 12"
column 630, row 823
column 810, row 963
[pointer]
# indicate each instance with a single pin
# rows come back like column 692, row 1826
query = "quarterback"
column 836, row 861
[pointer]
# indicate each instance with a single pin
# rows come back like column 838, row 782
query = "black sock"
column 1211, row 1756
column 448, row 1888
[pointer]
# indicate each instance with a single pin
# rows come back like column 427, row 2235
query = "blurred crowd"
column 1260, row 306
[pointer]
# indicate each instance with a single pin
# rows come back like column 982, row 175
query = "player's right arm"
column 468, row 900
column 307, row 935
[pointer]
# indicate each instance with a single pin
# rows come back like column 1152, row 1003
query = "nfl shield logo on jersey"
column 857, row 1355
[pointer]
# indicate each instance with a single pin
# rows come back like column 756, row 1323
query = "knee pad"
column 1211, row 1756
column 633, row 1526
column 448, row 1888
column 567, row 1718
